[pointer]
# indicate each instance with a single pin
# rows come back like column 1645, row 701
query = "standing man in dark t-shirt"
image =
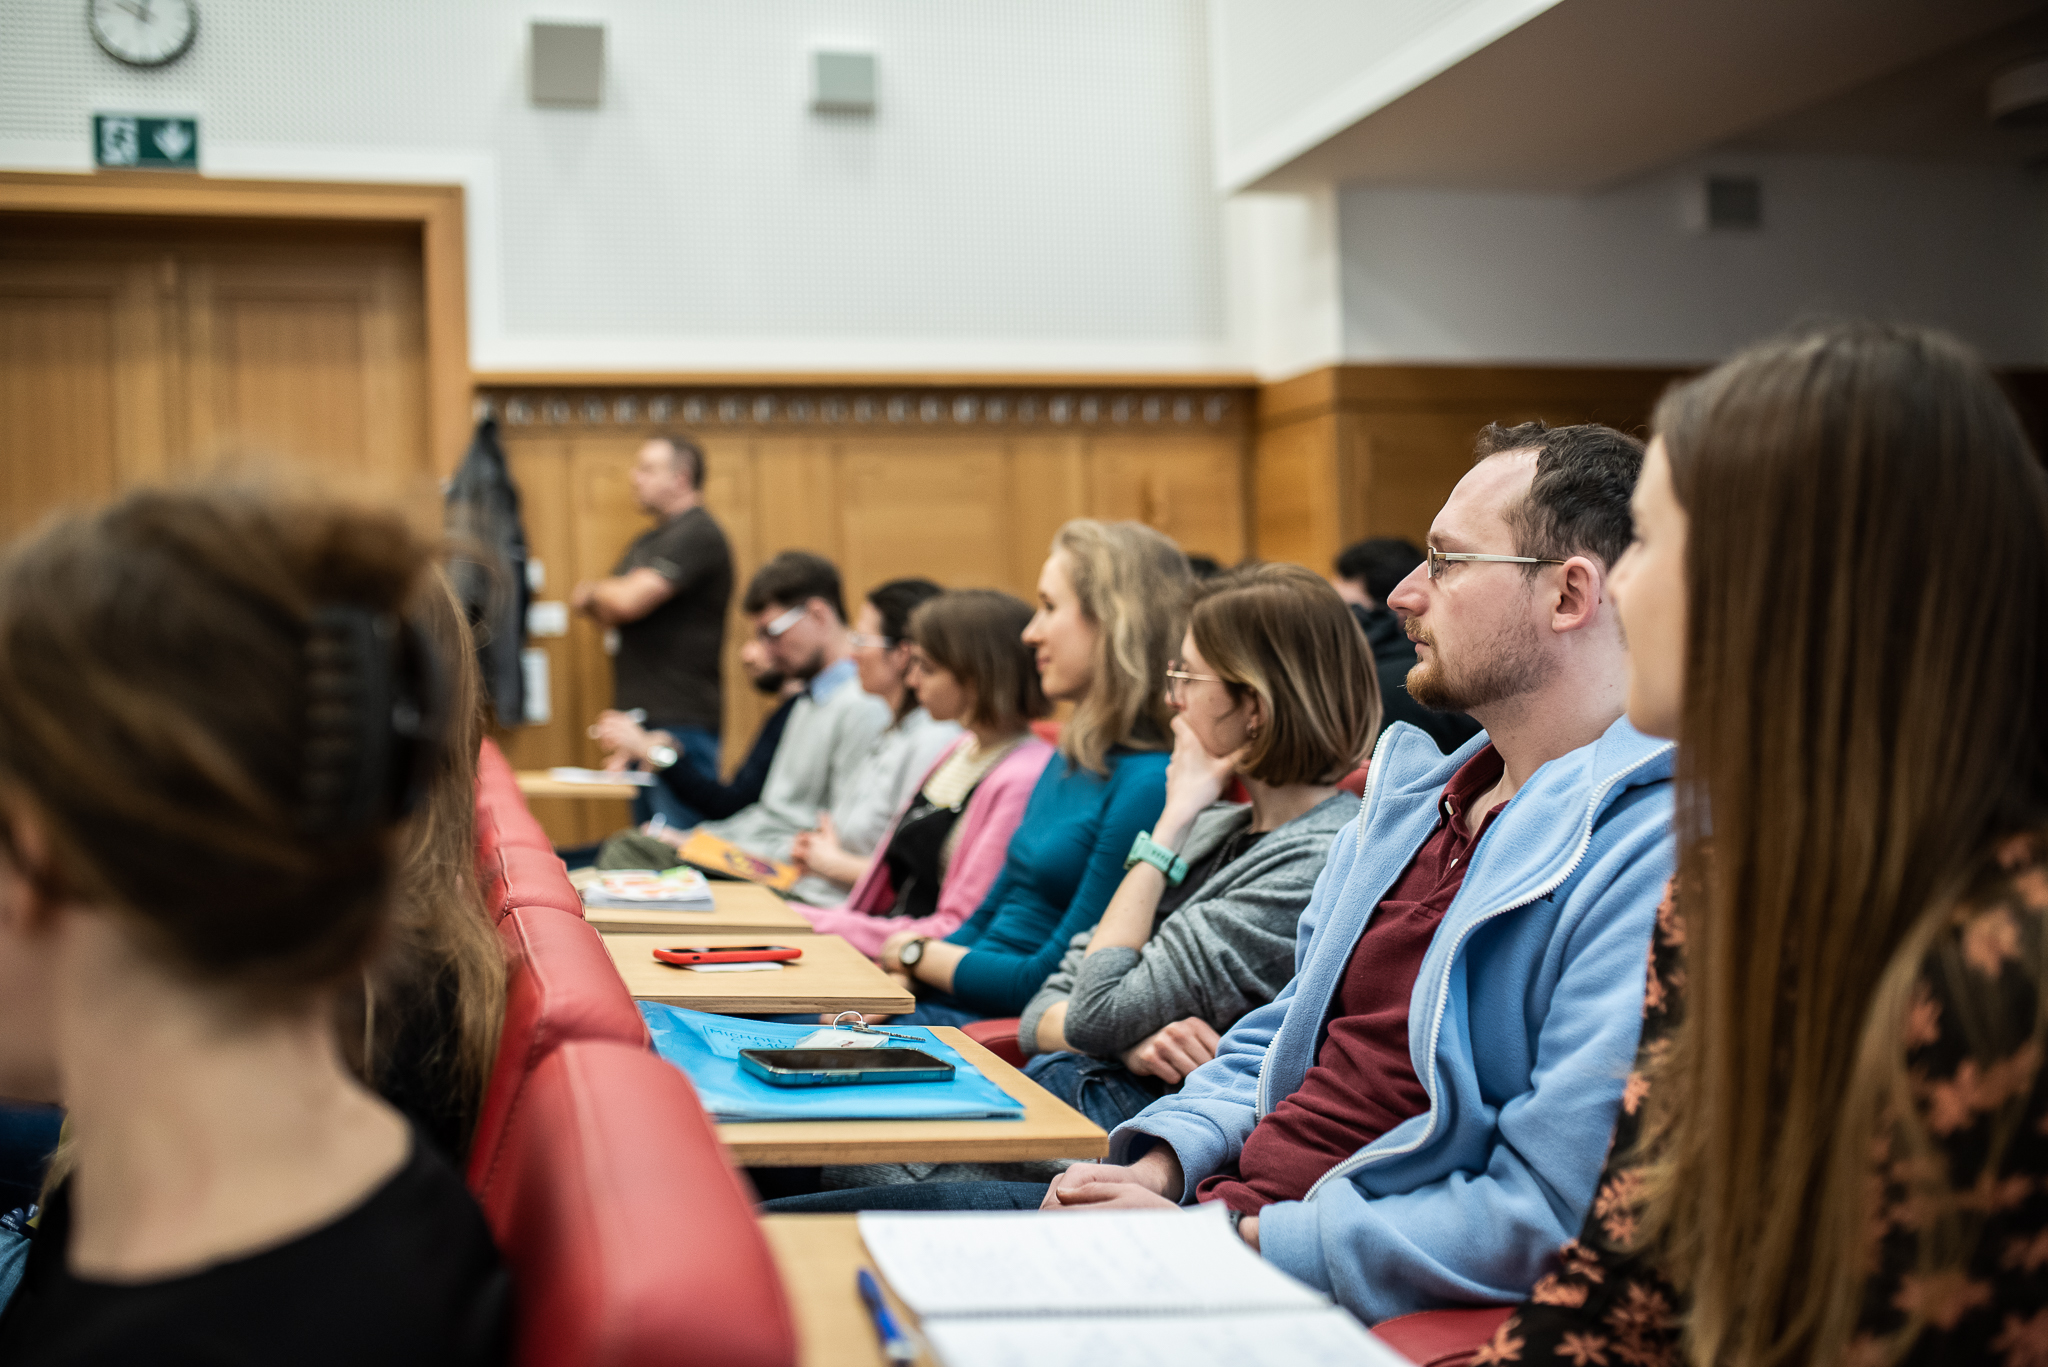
column 667, row 599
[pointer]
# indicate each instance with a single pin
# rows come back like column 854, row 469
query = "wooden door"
column 139, row 349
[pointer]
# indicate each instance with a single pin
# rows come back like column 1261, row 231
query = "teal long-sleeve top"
column 1064, row 864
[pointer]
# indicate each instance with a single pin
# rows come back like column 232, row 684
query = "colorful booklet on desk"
column 1139, row 1288
column 678, row 889
column 707, row 1047
column 710, row 853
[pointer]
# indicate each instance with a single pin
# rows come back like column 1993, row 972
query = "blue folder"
column 707, row 1048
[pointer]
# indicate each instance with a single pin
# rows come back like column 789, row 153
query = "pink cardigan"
column 985, row 828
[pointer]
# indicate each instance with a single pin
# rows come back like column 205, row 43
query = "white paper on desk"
column 1316, row 1338
column 1076, row 1263
column 568, row 773
column 734, row 968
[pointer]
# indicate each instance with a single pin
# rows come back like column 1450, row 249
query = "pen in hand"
column 896, row 1345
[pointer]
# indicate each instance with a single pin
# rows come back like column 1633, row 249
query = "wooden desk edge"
column 1062, row 1132
column 816, row 1256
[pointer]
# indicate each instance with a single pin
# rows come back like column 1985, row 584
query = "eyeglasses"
column 919, row 661
column 1436, row 559
column 772, row 630
column 1176, row 676
column 860, row 640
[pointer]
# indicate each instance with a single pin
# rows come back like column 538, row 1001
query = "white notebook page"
column 1313, row 1338
column 1075, row 1263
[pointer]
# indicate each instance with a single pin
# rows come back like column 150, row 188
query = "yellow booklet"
column 714, row 855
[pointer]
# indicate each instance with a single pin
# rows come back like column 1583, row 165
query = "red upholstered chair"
column 538, row 878
column 490, row 860
column 999, row 1037
column 630, row 1238
column 560, row 986
column 499, row 786
column 1047, row 731
column 1354, row 782
column 1441, row 1338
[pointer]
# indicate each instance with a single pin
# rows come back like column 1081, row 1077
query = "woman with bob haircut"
column 217, row 711
column 947, row 845
column 1834, row 1147
column 1112, row 599
column 1274, row 686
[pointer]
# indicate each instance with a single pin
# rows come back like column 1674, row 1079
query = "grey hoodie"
column 1226, row 950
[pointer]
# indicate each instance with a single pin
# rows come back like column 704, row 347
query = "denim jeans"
column 915, row 1196
column 28, row 1136
column 1100, row 1088
column 937, row 1011
column 696, row 747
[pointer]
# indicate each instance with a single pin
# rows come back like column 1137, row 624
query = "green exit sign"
column 155, row 144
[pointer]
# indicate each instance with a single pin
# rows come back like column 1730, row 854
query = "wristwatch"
column 1147, row 850
column 662, row 756
column 912, row 951
column 1237, row 1217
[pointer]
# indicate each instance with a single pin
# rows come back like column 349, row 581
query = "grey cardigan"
column 1227, row 949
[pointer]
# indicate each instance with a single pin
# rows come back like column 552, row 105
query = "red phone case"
column 740, row 954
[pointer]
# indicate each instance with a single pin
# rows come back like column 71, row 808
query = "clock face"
column 143, row 32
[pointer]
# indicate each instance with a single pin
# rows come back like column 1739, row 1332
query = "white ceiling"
column 1592, row 92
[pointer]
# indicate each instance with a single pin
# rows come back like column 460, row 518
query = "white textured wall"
column 1034, row 192
column 1616, row 277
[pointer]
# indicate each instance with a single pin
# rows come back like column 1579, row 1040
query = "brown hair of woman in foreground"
column 1867, row 575
column 424, row 1030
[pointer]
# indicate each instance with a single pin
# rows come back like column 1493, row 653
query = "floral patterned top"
column 1604, row 1304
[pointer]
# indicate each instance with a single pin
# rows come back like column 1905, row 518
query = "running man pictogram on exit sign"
column 146, row 141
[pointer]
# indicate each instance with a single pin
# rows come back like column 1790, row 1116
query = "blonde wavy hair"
column 1133, row 583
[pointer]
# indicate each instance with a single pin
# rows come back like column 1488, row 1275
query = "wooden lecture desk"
column 537, row 783
column 831, row 976
column 742, row 908
column 1049, row 1129
column 817, row 1256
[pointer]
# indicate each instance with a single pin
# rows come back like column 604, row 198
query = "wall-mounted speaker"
column 567, row 65
column 843, row 82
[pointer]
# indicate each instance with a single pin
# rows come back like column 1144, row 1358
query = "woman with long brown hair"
column 1834, row 1147
column 216, row 711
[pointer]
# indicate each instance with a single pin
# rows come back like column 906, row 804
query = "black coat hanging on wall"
column 488, row 568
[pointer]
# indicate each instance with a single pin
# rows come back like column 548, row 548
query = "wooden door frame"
column 435, row 209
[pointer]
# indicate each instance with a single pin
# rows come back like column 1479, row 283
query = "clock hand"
column 135, row 10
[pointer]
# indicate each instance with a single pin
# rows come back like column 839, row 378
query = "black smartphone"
column 843, row 1067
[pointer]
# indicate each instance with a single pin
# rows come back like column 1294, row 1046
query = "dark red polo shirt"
column 1363, row 1083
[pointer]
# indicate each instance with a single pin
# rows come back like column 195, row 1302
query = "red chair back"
column 630, row 1238
column 499, row 786
column 1354, row 782
column 560, row 986
column 1441, row 1338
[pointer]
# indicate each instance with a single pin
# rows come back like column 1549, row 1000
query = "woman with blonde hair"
column 1112, row 600
column 1834, row 1148
column 1274, row 687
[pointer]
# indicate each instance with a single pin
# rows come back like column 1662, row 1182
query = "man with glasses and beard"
column 1420, row 1118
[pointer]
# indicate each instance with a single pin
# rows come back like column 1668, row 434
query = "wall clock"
column 143, row 32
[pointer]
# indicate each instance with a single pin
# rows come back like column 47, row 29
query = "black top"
column 1174, row 898
column 420, row 1071
column 668, row 661
column 712, row 800
column 1393, row 655
column 410, row 1276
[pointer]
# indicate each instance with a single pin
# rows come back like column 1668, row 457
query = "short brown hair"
column 977, row 636
column 793, row 579
column 1282, row 633
column 185, row 686
column 1578, row 498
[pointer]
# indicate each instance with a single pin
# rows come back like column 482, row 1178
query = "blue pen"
column 896, row 1345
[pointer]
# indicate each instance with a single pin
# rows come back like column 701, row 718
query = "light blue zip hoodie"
column 1522, row 1027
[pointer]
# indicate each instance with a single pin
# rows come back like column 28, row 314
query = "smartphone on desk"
column 684, row 955
column 843, row 1067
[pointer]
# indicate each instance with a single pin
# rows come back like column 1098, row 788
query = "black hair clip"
column 375, row 708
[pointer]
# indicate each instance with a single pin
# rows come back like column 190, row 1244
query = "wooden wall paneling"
column 925, row 508
column 1189, row 486
column 82, row 383
column 433, row 212
column 1050, row 479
